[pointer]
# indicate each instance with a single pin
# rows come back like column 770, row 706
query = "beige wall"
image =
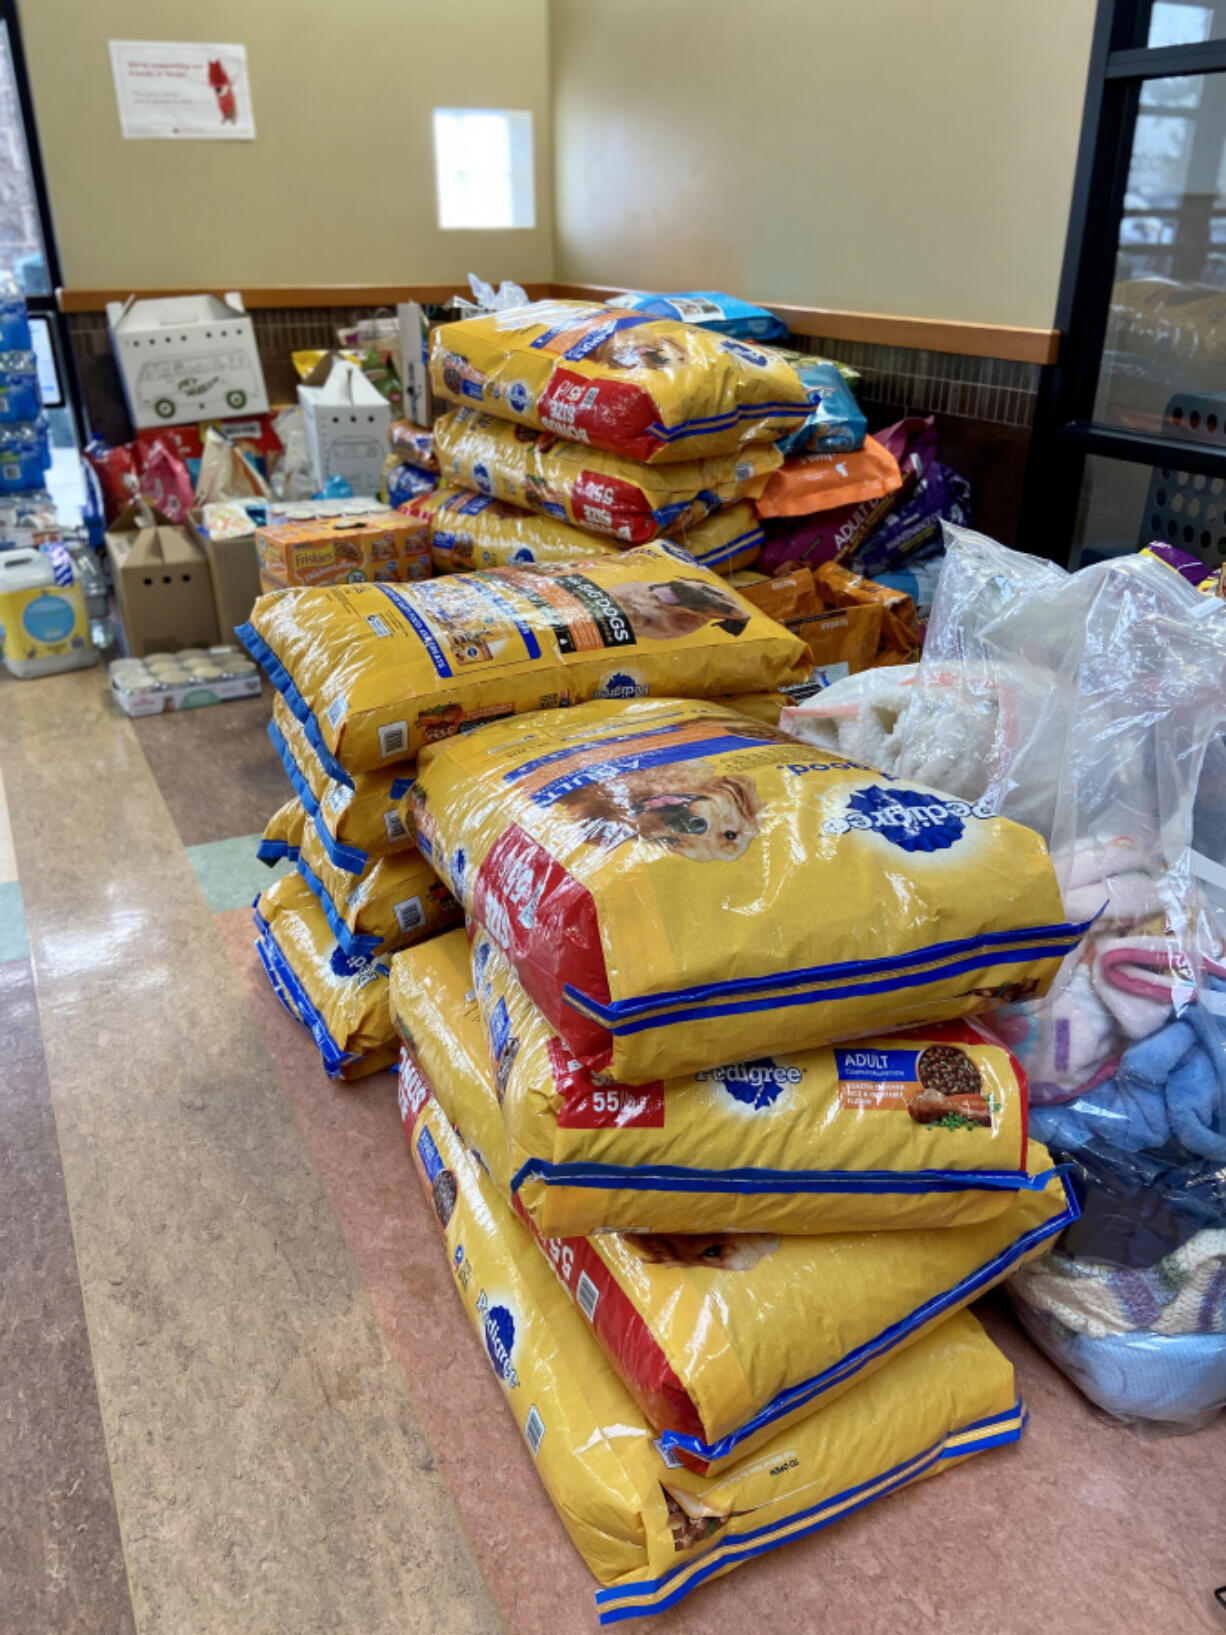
column 338, row 187
column 877, row 155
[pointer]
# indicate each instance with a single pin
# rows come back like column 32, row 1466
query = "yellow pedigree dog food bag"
column 374, row 672
column 678, row 885
column 649, row 1530
column 724, row 1337
column 394, row 902
column 282, row 837
column 465, row 530
column 582, row 1156
column 435, row 1012
column 728, row 541
column 651, row 389
column 764, row 707
column 888, row 1133
column 340, row 1001
column 356, row 822
column 603, row 493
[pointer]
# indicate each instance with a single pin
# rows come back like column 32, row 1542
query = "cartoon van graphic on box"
column 167, row 385
column 356, row 451
column 186, row 358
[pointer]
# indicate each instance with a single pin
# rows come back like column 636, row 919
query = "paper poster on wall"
column 179, row 90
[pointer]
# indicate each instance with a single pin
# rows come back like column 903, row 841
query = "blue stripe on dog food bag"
column 669, row 755
column 579, row 748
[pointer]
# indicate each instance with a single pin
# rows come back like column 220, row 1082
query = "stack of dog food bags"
column 719, row 1263
column 368, row 674
column 724, row 1301
column 411, row 466
column 567, row 477
column 360, row 890
column 581, row 429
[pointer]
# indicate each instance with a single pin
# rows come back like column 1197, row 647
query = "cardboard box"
column 388, row 547
column 184, row 359
column 346, row 421
column 162, row 583
column 235, row 568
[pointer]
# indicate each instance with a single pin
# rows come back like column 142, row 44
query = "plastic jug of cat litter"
column 43, row 624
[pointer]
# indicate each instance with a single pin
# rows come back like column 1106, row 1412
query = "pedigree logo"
column 499, row 1326
column 756, row 1084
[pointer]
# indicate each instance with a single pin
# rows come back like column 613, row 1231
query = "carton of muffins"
column 182, row 681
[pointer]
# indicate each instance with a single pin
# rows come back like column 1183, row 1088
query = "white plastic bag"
column 1116, row 754
column 488, row 299
column 293, row 478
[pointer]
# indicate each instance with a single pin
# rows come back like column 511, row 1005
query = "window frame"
column 1064, row 431
column 45, row 306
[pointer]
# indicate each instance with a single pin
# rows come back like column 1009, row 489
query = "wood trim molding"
column 971, row 340
column 285, row 295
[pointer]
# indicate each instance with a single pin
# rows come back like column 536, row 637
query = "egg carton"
column 182, row 681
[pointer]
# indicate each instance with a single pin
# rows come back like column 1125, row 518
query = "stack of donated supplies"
column 578, row 476
column 718, row 1261
column 581, row 429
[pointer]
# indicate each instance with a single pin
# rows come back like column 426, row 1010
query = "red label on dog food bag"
column 545, row 923
column 611, row 414
column 413, row 1091
column 613, row 506
column 590, row 1106
column 622, row 1331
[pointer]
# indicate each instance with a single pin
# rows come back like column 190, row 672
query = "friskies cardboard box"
column 342, row 550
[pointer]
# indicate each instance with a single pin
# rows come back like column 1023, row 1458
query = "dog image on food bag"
column 709, row 819
column 722, row 1251
column 666, row 611
column 635, row 351
column 444, row 1191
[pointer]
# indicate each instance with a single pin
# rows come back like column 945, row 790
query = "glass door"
column 1130, row 439
column 27, row 250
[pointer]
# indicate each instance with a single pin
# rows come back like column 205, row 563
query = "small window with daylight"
column 483, row 162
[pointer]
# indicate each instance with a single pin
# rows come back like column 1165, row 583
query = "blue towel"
column 1174, row 1377
column 1168, row 1088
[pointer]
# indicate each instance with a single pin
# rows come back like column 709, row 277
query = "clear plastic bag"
column 1092, row 706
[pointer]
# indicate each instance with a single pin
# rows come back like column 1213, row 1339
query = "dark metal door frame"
column 1064, row 429
column 44, row 306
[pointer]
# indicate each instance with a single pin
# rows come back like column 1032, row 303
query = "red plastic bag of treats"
column 165, row 483
column 115, row 469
